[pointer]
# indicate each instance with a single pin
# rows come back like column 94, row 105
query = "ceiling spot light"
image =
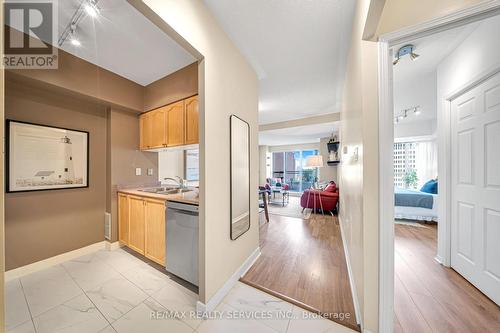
column 404, row 50
column 91, row 8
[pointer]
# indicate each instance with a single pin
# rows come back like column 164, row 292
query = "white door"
column 475, row 179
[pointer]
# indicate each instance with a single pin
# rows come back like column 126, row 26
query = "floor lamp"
column 315, row 161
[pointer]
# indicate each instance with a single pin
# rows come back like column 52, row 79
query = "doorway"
column 463, row 76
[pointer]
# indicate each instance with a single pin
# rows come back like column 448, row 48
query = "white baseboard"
column 222, row 292
column 354, row 293
column 112, row 246
column 439, row 259
column 52, row 261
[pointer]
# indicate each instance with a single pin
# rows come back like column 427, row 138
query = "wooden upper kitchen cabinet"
column 146, row 130
column 158, row 128
column 123, row 218
column 192, row 120
column 155, row 230
column 137, row 210
column 175, row 124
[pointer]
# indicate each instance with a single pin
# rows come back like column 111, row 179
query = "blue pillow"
column 430, row 187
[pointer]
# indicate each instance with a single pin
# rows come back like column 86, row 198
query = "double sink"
column 165, row 190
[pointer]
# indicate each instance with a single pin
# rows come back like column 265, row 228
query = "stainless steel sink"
column 158, row 189
column 165, row 190
column 176, row 191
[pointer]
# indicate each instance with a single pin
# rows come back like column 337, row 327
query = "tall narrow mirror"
column 240, row 177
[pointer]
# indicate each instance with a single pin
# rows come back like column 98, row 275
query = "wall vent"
column 107, row 226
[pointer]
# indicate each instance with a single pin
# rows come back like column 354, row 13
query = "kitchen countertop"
column 191, row 197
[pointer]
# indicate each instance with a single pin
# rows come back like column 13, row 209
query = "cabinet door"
column 192, row 120
column 175, row 124
column 158, row 124
column 155, row 231
column 123, row 218
column 146, row 129
column 136, row 223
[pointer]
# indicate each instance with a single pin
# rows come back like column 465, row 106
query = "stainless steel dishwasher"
column 182, row 241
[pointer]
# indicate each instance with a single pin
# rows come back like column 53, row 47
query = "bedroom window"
column 404, row 161
column 417, row 159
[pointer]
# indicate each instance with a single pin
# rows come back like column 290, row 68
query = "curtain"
column 426, row 161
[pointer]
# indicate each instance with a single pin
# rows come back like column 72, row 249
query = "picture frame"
column 43, row 157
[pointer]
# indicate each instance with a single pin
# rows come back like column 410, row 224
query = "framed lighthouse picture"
column 41, row 157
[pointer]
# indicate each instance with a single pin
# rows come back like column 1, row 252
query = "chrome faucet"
column 181, row 182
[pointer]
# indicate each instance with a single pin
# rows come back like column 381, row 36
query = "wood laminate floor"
column 432, row 298
column 303, row 262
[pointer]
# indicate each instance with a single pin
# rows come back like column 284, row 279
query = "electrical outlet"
column 150, row 172
column 138, row 171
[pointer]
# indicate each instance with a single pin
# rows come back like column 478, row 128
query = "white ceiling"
column 298, row 49
column 123, row 41
column 415, row 81
column 432, row 51
column 297, row 135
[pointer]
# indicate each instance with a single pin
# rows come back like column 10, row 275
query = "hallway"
column 303, row 262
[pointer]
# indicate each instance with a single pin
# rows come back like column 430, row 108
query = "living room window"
column 290, row 168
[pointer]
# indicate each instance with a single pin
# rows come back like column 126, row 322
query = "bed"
column 415, row 205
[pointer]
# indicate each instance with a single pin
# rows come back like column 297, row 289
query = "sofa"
column 329, row 197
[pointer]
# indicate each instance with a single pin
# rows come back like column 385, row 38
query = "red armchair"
column 329, row 198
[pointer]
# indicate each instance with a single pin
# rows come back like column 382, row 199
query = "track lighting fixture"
column 406, row 112
column 86, row 8
column 404, row 50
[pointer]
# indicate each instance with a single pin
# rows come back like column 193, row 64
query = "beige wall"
column 327, row 172
column 398, row 14
column 172, row 88
column 230, row 86
column 82, row 78
column 293, row 147
column 359, row 197
column 124, row 157
column 263, row 153
column 43, row 224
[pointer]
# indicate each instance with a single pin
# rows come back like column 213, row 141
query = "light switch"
column 138, row 171
column 150, row 172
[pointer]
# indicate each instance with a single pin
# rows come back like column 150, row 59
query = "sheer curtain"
column 426, row 161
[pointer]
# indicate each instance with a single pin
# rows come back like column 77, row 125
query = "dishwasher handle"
column 182, row 207
column 185, row 212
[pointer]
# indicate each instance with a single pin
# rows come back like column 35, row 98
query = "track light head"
column 414, row 56
column 91, row 8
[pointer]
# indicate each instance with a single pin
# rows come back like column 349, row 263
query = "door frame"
column 455, row 19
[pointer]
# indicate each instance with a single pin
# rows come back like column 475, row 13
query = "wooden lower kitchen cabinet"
column 155, row 231
column 136, row 222
column 141, row 222
column 123, row 218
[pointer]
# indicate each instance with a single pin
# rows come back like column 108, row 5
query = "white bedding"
column 418, row 213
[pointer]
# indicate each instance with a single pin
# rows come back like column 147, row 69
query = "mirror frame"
column 231, row 144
